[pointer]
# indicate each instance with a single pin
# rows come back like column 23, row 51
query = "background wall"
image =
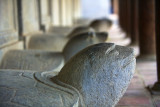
column 95, row 8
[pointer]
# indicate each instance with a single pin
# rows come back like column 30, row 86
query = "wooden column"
column 146, row 27
column 134, row 22
column 122, row 14
column 128, row 18
column 156, row 88
column 158, row 37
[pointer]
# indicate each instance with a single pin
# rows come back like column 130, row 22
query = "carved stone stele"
column 95, row 77
column 101, row 25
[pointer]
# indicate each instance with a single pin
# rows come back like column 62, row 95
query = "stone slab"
column 17, row 45
column 47, row 42
column 18, row 90
column 32, row 60
column 60, row 30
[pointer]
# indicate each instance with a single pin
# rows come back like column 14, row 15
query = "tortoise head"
column 82, row 41
column 101, row 73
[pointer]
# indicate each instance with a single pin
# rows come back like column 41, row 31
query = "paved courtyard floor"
column 137, row 94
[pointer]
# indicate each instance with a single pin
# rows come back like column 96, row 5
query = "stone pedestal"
column 146, row 27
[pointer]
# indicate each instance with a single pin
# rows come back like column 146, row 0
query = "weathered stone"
column 101, row 25
column 48, row 42
column 18, row 90
column 96, row 77
column 17, row 45
column 81, row 41
column 80, row 29
column 60, row 30
column 83, row 21
column 32, row 60
column 49, row 61
column 101, row 73
column 54, row 42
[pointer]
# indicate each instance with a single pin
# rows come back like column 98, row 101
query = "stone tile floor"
column 137, row 94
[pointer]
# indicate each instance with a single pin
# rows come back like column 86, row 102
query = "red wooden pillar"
column 124, row 16
column 134, row 22
column 146, row 27
column 156, row 88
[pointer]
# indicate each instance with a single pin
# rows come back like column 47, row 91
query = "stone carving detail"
column 101, row 25
column 32, row 60
column 81, row 41
column 27, row 89
column 80, row 29
column 56, row 42
column 95, row 77
column 49, row 61
column 101, row 73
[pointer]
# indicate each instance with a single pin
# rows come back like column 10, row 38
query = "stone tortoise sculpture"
column 49, row 61
column 81, row 41
column 80, row 29
column 55, row 42
column 101, row 25
column 97, row 76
